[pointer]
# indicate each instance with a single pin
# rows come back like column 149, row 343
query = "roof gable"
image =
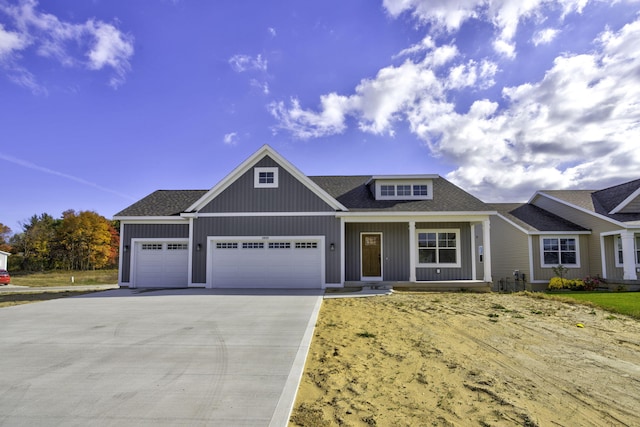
column 623, row 198
column 252, row 161
column 533, row 219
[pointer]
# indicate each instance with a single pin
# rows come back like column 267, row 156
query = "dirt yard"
column 452, row 359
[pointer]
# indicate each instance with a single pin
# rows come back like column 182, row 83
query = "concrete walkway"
column 164, row 358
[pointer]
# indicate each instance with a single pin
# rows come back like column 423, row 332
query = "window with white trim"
column 438, row 248
column 619, row 262
column 387, row 190
column 404, row 189
column 560, row 250
column 265, row 177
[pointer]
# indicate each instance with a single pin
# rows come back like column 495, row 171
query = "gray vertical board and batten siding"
column 290, row 196
column 395, row 251
column 148, row 231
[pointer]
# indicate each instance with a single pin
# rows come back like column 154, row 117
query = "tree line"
column 81, row 240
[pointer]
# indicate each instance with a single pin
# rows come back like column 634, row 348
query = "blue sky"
column 103, row 102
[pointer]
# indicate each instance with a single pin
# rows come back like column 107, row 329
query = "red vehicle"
column 5, row 279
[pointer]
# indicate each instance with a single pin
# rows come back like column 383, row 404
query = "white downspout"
column 486, row 237
column 412, row 251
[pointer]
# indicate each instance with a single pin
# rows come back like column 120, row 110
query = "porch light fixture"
column 332, row 247
column 126, row 248
column 198, row 247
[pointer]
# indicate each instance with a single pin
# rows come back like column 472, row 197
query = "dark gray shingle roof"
column 601, row 201
column 353, row 193
column 533, row 218
column 163, row 203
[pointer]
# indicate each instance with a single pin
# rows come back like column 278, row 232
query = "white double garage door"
column 262, row 262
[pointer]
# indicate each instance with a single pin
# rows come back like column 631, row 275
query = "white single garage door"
column 161, row 264
column 292, row 263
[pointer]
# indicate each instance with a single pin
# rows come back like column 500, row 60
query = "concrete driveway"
column 170, row 357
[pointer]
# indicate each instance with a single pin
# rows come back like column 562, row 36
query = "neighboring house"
column 4, row 260
column 267, row 224
column 593, row 233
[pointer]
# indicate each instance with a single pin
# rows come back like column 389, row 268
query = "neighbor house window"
column 560, row 250
column 439, row 248
column 265, row 178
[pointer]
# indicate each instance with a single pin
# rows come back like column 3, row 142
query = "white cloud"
column 545, row 36
column 504, row 15
column 10, row 41
column 112, row 48
column 272, row 31
column 396, row 93
column 578, row 125
column 242, row 63
column 261, row 86
column 52, row 38
column 231, row 138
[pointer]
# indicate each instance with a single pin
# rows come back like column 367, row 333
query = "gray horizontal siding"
column 290, row 196
column 147, row 231
column 327, row 226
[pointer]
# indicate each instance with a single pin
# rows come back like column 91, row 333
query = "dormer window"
column 403, row 189
column 265, row 177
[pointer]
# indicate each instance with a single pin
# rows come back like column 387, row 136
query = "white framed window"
column 265, row 177
column 404, row 189
column 420, row 190
column 619, row 262
column 387, row 190
column 556, row 250
column 438, row 248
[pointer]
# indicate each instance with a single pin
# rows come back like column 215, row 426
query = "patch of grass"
column 17, row 298
column 63, row 278
column 627, row 303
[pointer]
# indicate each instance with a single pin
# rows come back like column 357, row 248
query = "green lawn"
column 63, row 278
column 617, row 302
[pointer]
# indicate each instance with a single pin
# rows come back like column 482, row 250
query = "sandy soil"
column 450, row 359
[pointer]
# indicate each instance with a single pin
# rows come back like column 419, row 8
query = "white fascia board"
column 581, row 209
column 5, row 253
column 626, row 201
column 248, row 164
column 554, row 233
column 513, row 224
column 394, row 177
column 259, row 214
column 415, row 216
column 150, row 219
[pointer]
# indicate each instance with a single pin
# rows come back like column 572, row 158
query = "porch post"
column 486, row 242
column 628, row 256
column 412, row 251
